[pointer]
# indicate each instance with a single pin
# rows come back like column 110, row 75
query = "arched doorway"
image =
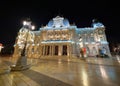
column 56, row 50
column 64, row 50
column 88, row 51
column 94, row 51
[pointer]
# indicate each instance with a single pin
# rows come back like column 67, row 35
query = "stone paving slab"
column 103, row 61
column 4, row 68
column 75, row 72
column 89, row 60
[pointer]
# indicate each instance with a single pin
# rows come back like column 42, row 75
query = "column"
column 44, row 50
column 40, row 50
column 70, row 51
column 67, row 50
column 52, row 50
column 59, row 51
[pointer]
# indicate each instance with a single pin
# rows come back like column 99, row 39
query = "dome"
column 50, row 23
column 99, row 24
column 66, row 22
column 58, row 22
column 96, row 23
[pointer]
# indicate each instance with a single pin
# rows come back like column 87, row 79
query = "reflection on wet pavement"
column 65, row 73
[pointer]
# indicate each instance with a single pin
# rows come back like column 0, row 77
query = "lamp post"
column 21, row 63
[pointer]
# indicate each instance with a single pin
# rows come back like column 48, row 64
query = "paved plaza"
column 58, row 72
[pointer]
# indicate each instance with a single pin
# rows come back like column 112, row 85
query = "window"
column 101, row 39
column 86, row 39
column 92, row 39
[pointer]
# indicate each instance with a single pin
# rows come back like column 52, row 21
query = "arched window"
column 101, row 39
column 94, row 51
column 92, row 39
column 88, row 50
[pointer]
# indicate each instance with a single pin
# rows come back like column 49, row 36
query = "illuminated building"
column 60, row 38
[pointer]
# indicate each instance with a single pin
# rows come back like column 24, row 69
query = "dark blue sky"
column 80, row 12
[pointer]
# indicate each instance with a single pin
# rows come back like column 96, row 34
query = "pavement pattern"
column 59, row 72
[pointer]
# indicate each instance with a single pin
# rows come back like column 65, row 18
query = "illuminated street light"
column 21, row 63
column 24, row 22
column 33, row 27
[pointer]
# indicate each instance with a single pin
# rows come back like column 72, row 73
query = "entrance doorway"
column 64, row 50
column 56, row 50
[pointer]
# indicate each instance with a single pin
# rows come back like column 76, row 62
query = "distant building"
column 60, row 38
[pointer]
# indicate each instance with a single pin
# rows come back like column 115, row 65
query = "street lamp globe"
column 24, row 23
column 32, row 27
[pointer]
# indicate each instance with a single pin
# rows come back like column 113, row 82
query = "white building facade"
column 60, row 38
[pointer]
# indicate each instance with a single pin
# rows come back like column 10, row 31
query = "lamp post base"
column 19, row 68
column 21, row 64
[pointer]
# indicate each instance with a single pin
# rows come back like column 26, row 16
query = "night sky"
column 80, row 12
